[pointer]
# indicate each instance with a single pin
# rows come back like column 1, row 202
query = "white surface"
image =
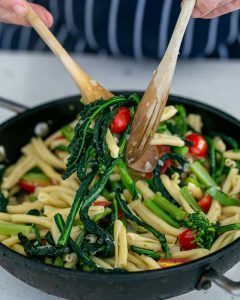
column 36, row 78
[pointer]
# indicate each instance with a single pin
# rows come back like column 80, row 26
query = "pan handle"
column 12, row 105
column 230, row 286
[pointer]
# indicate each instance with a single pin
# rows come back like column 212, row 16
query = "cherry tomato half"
column 171, row 262
column 104, row 203
column 205, row 203
column 121, row 120
column 30, row 186
column 200, row 145
column 186, row 240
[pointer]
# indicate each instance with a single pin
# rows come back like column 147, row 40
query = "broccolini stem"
column 127, row 179
column 202, row 174
column 222, row 229
column 170, row 208
column 223, row 199
column 13, row 229
column 161, row 213
column 146, row 252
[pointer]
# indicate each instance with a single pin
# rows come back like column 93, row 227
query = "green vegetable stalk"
column 13, row 229
column 161, row 213
column 170, row 208
column 223, row 199
column 146, row 252
column 202, row 174
column 127, row 179
column 189, row 198
column 223, row 229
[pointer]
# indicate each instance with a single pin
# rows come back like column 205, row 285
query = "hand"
column 213, row 8
column 14, row 12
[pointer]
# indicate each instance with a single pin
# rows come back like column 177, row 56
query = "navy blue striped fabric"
column 138, row 28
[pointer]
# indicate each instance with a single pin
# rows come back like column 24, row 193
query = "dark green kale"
column 3, row 203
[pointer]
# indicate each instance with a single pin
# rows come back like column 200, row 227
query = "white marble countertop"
column 37, row 78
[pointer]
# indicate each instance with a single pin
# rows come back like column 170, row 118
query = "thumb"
column 203, row 7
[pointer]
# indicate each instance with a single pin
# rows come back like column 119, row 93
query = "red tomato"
column 121, row 120
column 104, row 203
column 166, row 165
column 30, row 187
column 186, row 240
column 120, row 214
column 27, row 186
column 200, row 145
column 171, row 262
column 205, row 203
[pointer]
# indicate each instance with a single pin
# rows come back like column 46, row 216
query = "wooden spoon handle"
column 155, row 98
column 89, row 88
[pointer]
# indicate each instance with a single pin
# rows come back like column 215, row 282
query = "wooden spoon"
column 139, row 154
column 89, row 88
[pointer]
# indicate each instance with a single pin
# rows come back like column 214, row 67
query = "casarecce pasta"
column 71, row 201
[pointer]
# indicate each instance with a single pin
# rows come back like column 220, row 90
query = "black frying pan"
column 70, row 284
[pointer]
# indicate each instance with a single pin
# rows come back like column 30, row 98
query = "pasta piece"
column 230, row 163
column 52, row 138
column 46, row 168
column 168, row 113
column 58, row 142
column 170, row 239
column 141, row 265
column 112, row 145
column 57, row 189
column 130, row 267
column 5, row 217
column 195, row 121
column 51, row 199
column 150, row 218
column 143, row 242
column 46, row 155
column 190, row 254
column 231, row 210
column 150, row 262
column 127, row 195
column 121, row 247
column 231, row 220
column 174, row 190
column 219, row 144
column 214, row 212
column 228, row 184
column 144, row 189
column 169, row 140
column 9, row 242
column 110, row 261
column 20, row 218
column 195, row 191
column 232, row 154
column 19, row 249
column 24, row 207
column 101, row 263
column 3, row 237
column 55, row 232
column 95, row 210
column 115, row 177
column 224, row 239
column 22, row 167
